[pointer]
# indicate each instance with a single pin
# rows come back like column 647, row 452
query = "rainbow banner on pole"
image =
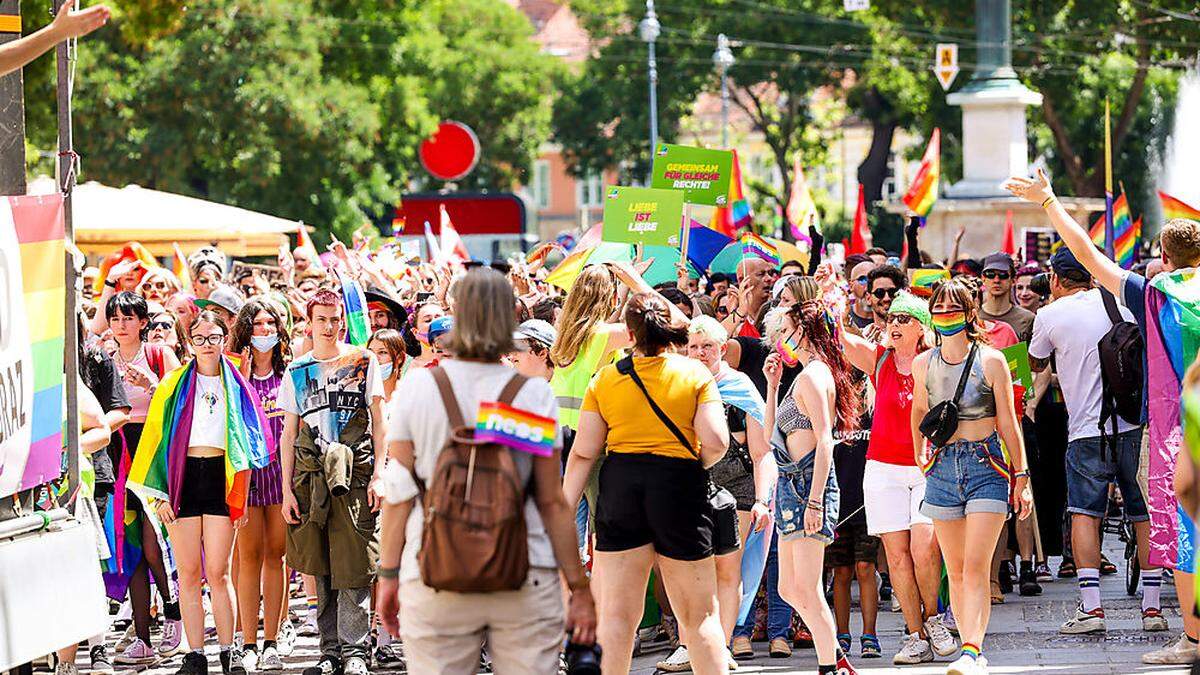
column 1125, row 230
column 754, row 245
column 32, row 326
column 923, row 192
column 1177, row 208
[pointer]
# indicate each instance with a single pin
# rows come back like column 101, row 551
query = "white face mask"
column 264, row 343
column 386, row 369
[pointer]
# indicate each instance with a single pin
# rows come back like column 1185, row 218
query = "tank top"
column 941, row 381
column 570, row 382
column 139, row 398
column 788, row 416
column 891, row 435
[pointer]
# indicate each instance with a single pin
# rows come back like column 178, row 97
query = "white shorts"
column 892, row 496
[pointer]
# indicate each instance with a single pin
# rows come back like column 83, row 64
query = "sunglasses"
column 157, row 285
column 900, row 319
column 862, row 281
column 997, row 274
column 161, row 325
column 880, row 293
column 214, row 340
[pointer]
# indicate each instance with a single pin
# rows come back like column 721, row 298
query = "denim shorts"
column 791, row 498
column 1089, row 473
column 966, row 477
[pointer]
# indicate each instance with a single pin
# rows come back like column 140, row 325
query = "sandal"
column 1066, row 570
column 845, row 641
column 997, row 594
column 1106, row 566
column 870, row 647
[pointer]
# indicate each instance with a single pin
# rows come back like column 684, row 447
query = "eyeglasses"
column 214, row 339
column 879, row 293
column 161, row 325
column 900, row 319
column 862, row 281
column 997, row 274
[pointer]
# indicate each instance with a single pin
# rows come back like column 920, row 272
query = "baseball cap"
column 1066, row 265
column 224, row 296
column 998, row 261
column 538, row 331
column 439, row 327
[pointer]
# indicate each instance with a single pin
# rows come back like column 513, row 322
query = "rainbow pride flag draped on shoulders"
column 1172, row 341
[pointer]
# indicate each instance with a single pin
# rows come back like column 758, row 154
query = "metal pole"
column 723, row 59
column 12, row 109
column 649, row 29
column 64, row 57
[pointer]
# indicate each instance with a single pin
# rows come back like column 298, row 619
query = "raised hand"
column 1036, row 190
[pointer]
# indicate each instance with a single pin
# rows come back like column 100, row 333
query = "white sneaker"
column 966, row 665
column 896, row 604
column 677, row 662
column 250, row 659
column 270, row 661
column 1084, row 622
column 733, row 664
column 309, row 627
column 286, row 640
column 1180, row 652
column 64, row 668
column 939, row 636
column 914, row 650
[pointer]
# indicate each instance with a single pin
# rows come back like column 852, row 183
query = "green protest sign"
column 1018, row 364
column 636, row 215
column 702, row 174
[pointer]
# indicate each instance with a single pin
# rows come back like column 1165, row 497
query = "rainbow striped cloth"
column 514, row 428
column 736, row 215
column 157, row 468
column 921, row 282
column 354, row 301
column 1177, row 208
column 754, row 245
column 923, row 192
column 1125, row 230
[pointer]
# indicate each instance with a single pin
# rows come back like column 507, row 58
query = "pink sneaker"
column 138, row 653
column 172, row 639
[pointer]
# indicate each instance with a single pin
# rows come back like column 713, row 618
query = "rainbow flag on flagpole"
column 923, row 192
column 736, row 213
column 1126, row 232
column 754, row 245
column 1127, row 243
column 180, row 267
column 1177, row 208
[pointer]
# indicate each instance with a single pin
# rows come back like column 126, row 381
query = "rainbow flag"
column 801, row 209
column 1177, row 208
column 754, row 245
column 32, row 329
column 1125, row 230
column 358, row 328
column 921, row 282
column 157, row 468
column 179, row 266
column 923, row 192
column 1127, row 243
column 736, row 214
column 515, row 428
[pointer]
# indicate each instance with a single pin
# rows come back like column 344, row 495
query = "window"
column 541, row 184
column 588, row 190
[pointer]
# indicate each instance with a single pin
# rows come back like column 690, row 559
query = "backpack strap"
column 625, row 367
column 1107, row 408
column 1110, row 307
column 453, row 411
column 510, row 391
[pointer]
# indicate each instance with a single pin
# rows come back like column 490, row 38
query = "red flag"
column 860, row 236
column 1010, row 243
column 452, row 245
column 904, row 252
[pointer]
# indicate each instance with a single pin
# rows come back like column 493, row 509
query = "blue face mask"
column 386, row 369
column 264, row 343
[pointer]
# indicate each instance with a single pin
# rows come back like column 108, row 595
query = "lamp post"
column 649, row 29
column 723, row 59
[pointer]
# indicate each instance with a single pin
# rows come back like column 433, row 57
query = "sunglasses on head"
column 997, row 274
column 880, row 293
column 861, row 280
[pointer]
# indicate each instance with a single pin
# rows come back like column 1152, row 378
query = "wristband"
column 389, row 572
column 1048, row 201
column 1023, row 473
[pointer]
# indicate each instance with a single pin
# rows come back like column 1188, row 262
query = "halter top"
column 977, row 402
column 788, row 416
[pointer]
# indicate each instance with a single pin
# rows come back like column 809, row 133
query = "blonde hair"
column 484, row 316
column 803, row 288
column 588, row 303
column 708, row 327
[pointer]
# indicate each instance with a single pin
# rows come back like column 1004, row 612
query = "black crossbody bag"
column 724, row 506
column 940, row 423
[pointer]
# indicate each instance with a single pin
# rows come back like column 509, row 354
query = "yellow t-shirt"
column 676, row 383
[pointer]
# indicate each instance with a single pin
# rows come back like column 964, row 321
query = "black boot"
column 1007, row 574
column 1028, row 581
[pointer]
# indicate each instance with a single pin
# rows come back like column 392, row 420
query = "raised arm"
column 913, row 261
column 68, row 23
column 1038, row 191
column 858, row 350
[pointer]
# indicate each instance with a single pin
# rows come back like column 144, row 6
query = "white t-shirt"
column 209, row 417
column 1070, row 328
column 416, row 414
column 326, row 394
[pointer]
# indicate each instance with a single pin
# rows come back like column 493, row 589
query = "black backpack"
column 1122, row 353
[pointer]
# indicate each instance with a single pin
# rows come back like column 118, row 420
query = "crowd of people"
column 459, row 464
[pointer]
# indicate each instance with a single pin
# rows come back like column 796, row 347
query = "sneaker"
column 940, row 639
column 1084, row 622
column 194, row 663
column 845, row 641
column 870, row 647
column 389, row 656
column 269, row 660
column 742, row 648
column 1153, row 620
column 780, row 648
column 138, row 653
column 950, row 622
column 285, row 642
column 356, row 665
column 885, row 587
column 966, row 665
column 733, row 664
column 328, row 665
column 127, row 638
column 914, row 650
column 1028, row 585
column 896, row 604
column 231, row 661
column 981, row 665
column 1180, row 652
column 101, row 663
column 250, row 658
column 1042, row 573
column 309, row 627
column 172, row 639
column 803, row 638
column 677, row 662
column 64, row 668
column 844, row 667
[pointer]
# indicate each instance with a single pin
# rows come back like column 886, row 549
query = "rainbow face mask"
column 787, row 352
column 949, row 323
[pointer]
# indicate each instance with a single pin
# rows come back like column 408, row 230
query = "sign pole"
column 64, row 55
column 686, row 236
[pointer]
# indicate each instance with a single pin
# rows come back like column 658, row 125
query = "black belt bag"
column 940, row 423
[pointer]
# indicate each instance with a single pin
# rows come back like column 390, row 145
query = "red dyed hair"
column 324, row 298
column 820, row 329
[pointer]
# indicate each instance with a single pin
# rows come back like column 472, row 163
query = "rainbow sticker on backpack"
column 516, row 429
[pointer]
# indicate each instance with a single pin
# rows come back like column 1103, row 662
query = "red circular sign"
column 451, row 152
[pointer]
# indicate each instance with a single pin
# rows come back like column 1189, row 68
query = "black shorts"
column 203, row 492
column 851, row 544
column 648, row 499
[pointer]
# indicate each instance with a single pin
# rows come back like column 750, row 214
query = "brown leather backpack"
column 474, row 540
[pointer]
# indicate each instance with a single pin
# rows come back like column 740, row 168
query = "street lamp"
column 723, row 60
column 649, row 29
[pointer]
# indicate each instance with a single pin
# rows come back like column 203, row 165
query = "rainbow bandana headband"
column 516, row 429
column 949, row 323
